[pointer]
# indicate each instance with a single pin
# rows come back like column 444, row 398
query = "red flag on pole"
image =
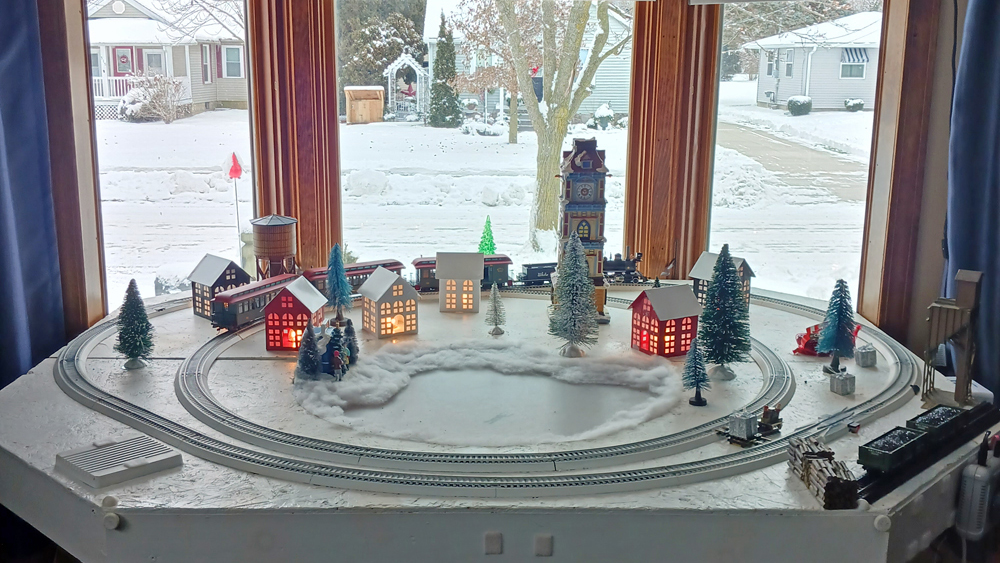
column 235, row 169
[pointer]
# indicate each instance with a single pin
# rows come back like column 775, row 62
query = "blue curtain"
column 31, row 312
column 974, row 177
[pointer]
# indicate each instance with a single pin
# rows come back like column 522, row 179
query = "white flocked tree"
column 574, row 315
column 495, row 315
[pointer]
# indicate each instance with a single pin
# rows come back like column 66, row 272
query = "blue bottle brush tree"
column 836, row 336
column 338, row 289
column 694, row 376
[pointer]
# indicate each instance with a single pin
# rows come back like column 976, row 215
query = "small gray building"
column 830, row 62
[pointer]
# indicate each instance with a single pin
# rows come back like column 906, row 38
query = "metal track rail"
column 70, row 375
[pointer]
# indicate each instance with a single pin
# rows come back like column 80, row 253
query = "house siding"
column 201, row 92
column 177, row 54
column 232, row 90
column 827, row 90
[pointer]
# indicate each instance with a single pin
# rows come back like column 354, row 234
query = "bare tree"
column 566, row 83
column 152, row 96
column 188, row 16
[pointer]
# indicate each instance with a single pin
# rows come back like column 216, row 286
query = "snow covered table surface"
column 207, row 511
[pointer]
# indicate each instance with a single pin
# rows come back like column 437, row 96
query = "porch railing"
column 110, row 86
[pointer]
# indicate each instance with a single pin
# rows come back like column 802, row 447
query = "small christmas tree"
column 445, row 110
column 338, row 359
column 338, row 290
column 573, row 317
column 352, row 342
column 837, row 334
column 135, row 333
column 310, row 361
column 724, row 328
column 486, row 244
column 695, row 377
column 656, row 282
column 495, row 315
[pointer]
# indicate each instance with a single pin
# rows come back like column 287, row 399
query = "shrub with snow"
column 153, row 96
column 854, row 104
column 800, row 105
column 133, row 106
column 389, row 117
column 413, row 118
column 603, row 116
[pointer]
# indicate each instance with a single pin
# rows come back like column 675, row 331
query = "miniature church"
column 212, row 276
column 388, row 304
column 704, row 269
column 460, row 276
column 665, row 320
column 296, row 307
column 581, row 210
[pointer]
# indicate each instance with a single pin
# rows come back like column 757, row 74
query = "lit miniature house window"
column 467, row 294
column 583, row 230
column 669, row 336
column 397, row 290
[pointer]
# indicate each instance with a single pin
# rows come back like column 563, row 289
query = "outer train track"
column 70, row 375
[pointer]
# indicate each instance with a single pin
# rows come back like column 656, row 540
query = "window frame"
column 789, row 62
column 226, row 62
column 864, row 71
column 206, row 63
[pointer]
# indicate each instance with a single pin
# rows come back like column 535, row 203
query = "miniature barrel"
column 274, row 237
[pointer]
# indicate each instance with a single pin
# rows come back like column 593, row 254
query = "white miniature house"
column 388, row 304
column 704, row 270
column 460, row 276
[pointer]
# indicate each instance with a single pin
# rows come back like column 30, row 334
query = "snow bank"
column 380, row 376
column 379, row 188
column 739, row 181
column 161, row 185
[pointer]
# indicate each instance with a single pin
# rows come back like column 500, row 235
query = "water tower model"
column 274, row 245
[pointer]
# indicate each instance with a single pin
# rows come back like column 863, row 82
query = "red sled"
column 808, row 340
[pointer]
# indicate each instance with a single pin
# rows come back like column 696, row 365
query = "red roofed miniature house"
column 297, row 306
column 665, row 320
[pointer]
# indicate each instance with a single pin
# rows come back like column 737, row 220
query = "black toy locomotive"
column 623, row 270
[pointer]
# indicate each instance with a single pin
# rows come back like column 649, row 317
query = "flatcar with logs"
column 624, row 270
column 496, row 269
column 357, row 273
column 244, row 305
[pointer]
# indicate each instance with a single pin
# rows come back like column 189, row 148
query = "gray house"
column 829, row 62
column 611, row 83
column 128, row 37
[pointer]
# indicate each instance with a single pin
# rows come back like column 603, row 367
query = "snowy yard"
column 411, row 191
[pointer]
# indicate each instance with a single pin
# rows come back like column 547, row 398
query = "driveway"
column 796, row 164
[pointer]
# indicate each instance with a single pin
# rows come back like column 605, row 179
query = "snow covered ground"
column 411, row 190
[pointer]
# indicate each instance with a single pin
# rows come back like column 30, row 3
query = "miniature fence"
column 830, row 481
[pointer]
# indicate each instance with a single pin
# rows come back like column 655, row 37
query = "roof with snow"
column 157, row 28
column 380, row 281
column 863, row 29
column 704, row 268
column 671, row 302
column 306, row 293
column 273, row 221
column 459, row 266
column 207, row 271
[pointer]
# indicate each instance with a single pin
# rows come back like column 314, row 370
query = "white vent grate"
column 110, row 462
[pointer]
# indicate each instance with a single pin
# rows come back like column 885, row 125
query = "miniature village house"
column 211, row 276
column 704, row 269
column 581, row 210
column 460, row 275
column 389, row 304
column 294, row 309
column 665, row 320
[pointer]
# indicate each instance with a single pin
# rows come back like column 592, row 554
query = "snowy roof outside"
column 379, row 282
column 307, row 294
column 671, row 302
column 704, row 268
column 157, row 29
column 273, row 220
column 209, row 269
column 583, row 149
column 364, row 88
column 459, row 266
column 856, row 30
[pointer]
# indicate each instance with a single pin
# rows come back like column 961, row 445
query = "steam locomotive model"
column 623, row 270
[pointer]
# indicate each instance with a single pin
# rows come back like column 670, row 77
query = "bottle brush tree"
column 724, row 328
column 135, row 332
column 352, row 342
column 495, row 315
column 310, row 360
column 573, row 316
column 694, row 376
column 656, row 282
column 837, row 334
column 486, row 244
column 445, row 110
column 338, row 289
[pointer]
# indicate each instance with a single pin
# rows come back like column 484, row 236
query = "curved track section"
column 192, row 388
column 70, row 375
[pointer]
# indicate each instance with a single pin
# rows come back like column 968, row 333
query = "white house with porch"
column 830, row 62
column 129, row 37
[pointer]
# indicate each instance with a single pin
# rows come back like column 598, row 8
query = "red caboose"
column 665, row 320
column 296, row 307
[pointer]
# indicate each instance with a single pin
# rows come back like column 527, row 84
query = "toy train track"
column 70, row 375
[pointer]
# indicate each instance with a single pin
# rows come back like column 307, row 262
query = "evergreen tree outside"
column 573, row 317
column 724, row 327
column 352, row 342
column 135, row 332
column 445, row 110
column 495, row 315
column 310, row 360
column 694, row 376
column 338, row 289
column 486, row 244
column 837, row 334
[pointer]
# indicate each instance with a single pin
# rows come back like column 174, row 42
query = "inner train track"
column 70, row 374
